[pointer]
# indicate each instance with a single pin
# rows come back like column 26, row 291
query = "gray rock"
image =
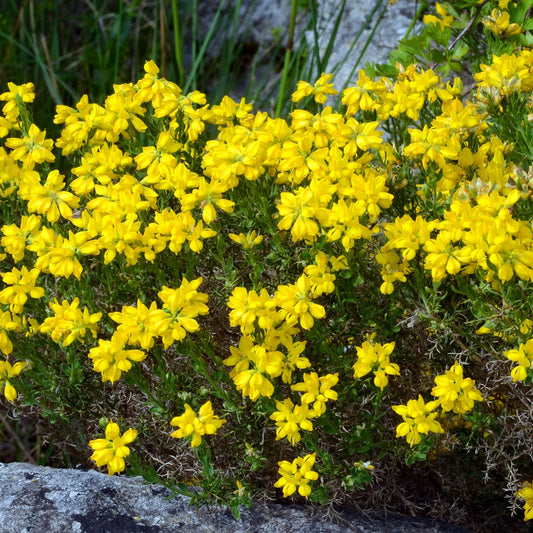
column 392, row 24
column 36, row 499
column 349, row 53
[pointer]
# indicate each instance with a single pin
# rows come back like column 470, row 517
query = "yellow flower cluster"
column 523, row 356
column 25, row 93
column 319, row 90
column 141, row 325
column 112, row 450
column 247, row 241
column 445, row 19
column 374, row 357
column 453, row 393
column 205, row 423
column 418, row 418
column 526, row 494
column 8, row 371
column 111, row 359
column 338, row 177
column 69, row 322
column 8, row 322
column 296, row 475
column 269, row 349
column 499, row 23
column 20, row 284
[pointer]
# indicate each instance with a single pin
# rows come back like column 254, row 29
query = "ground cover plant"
column 333, row 305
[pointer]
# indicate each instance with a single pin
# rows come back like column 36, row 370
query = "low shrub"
column 334, row 302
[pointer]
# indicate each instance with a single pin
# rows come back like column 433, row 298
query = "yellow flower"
column 63, row 257
column 15, row 237
column 101, row 165
column 181, row 306
column 392, row 270
column 88, row 122
column 253, row 383
column 69, row 322
column 297, row 211
column 299, row 157
column 443, row 22
column 140, row 325
column 442, row 257
column 112, row 450
column 247, row 306
column 228, row 110
column 290, row 419
column 319, row 128
column 229, row 157
column 206, row 423
column 295, row 303
column 369, row 192
column 454, row 392
column 524, row 358
column 195, row 232
column 32, row 148
column 319, row 90
column 297, row 475
column 375, row 358
column 50, row 199
column 207, row 196
column 526, row 494
column 318, row 390
column 21, row 284
column 24, row 92
column 408, row 235
column 418, row 418
column 111, row 359
column 320, row 276
column 508, row 73
column 499, row 23
column 8, row 323
column 363, row 95
column 344, row 223
column 158, row 160
column 253, row 365
column 360, row 136
column 6, row 372
column 120, row 237
column 248, row 240
column 126, row 108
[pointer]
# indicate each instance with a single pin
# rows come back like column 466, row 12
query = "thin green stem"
column 421, row 8
column 287, row 60
column 117, row 39
column 178, row 42
column 369, row 39
column 198, row 58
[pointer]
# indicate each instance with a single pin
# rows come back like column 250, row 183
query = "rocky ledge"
column 37, row 499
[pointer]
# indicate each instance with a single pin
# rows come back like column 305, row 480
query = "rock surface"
column 36, row 499
column 392, row 24
column 350, row 51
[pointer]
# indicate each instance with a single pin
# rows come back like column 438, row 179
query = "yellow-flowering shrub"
column 355, row 259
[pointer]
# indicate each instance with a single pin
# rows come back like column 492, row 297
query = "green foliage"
column 233, row 302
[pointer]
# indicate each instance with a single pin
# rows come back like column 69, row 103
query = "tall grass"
column 82, row 47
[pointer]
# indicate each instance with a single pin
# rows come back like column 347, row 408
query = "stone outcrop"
column 36, row 499
column 268, row 18
column 345, row 61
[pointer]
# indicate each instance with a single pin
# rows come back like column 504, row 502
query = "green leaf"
column 460, row 50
